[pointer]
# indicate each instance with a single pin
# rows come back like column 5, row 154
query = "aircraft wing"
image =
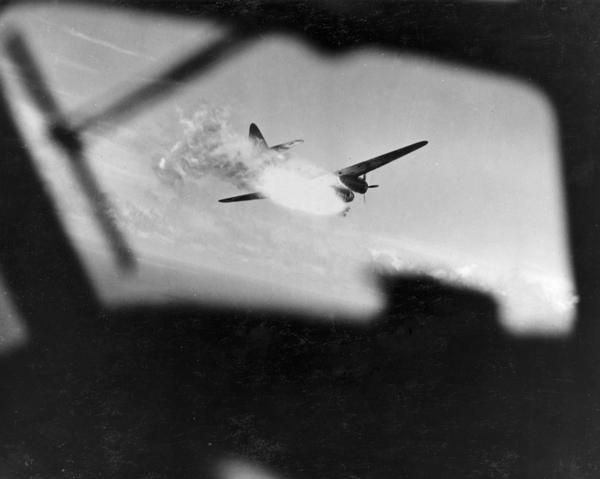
column 369, row 165
column 246, row 197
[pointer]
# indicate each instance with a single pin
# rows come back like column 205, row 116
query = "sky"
column 481, row 205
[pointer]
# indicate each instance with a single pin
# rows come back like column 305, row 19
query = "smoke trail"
column 209, row 147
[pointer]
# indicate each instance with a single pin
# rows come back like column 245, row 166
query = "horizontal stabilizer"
column 287, row 145
column 246, row 197
column 365, row 166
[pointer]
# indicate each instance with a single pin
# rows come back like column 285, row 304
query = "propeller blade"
column 173, row 77
column 35, row 84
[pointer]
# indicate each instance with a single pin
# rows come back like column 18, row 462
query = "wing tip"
column 413, row 147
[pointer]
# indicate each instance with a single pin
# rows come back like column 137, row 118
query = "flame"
column 293, row 188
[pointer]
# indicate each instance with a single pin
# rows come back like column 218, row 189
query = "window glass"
column 481, row 205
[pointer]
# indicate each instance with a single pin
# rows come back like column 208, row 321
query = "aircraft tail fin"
column 256, row 136
column 259, row 140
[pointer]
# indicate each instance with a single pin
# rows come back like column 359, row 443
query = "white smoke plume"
column 288, row 186
column 209, row 148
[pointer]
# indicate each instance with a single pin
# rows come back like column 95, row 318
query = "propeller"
column 69, row 141
column 364, row 178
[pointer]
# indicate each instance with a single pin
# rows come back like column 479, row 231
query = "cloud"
column 529, row 301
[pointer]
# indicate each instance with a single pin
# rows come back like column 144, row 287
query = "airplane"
column 351, row 180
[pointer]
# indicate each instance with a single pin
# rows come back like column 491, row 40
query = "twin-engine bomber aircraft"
column 352, row 179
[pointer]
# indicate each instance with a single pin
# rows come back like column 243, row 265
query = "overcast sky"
column 482, row 202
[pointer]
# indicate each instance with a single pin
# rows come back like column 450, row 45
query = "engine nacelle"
column 345, row 194
column 355, row 183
